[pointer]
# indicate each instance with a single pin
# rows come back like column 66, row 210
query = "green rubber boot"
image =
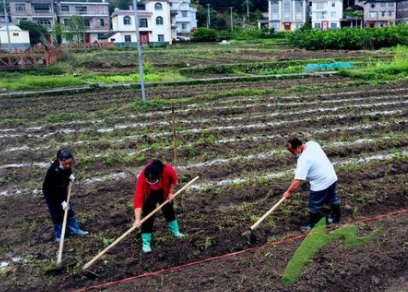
column 146, row 240
column 174, row 228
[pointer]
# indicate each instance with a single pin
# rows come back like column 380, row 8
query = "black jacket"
column 56, row 181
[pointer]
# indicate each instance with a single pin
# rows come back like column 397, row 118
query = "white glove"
column 65, row 205
column 71, row 177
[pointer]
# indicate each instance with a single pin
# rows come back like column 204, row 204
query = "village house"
column 95, row 14
column 288, row 14
column 41, row 11
column 379, row 13
column 184, row 20
column 402, row 11
column 326, row 14
column 154, row 25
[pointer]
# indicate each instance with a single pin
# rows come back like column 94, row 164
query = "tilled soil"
column 213, row 217
column 378, row 266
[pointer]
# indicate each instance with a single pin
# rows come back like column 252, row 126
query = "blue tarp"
column 329, row 66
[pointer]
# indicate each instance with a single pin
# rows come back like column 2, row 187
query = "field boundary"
column 100, row 86
column 229, row 255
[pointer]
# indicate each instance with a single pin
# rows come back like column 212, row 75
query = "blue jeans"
column 318, row 199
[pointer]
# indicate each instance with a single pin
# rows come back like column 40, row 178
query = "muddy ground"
column 213, row 217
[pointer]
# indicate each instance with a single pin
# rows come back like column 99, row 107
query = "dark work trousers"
column 55, row 207
column 318, row 199
column 154, row 198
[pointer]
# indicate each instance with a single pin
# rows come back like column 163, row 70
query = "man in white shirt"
column 314, row 166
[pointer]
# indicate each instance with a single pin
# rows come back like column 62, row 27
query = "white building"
column 288, row 14
column 327, row 14
column 154, row 25
column 19, row 39
column 184, row 19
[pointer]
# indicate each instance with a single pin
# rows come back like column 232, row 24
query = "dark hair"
column 154, row 170
column 295, row 143
column 64, row 155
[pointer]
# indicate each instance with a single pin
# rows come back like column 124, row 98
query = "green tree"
column 37, row 32
column 58, row 32
column 76, row 29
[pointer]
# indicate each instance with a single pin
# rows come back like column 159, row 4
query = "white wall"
column 189, row 21
column 16, row 37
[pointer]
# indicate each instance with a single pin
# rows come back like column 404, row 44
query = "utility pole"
column 232, row 21
column 139, row 52
column 7, row 24
column 208, row 16
column 247, row 7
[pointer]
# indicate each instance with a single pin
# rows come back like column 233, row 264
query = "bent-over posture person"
column 55, row 191
column 314, row 166
column 155, row 184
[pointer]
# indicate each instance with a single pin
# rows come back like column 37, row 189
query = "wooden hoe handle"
column 64, row 226
column 91, row 262
column 253, row 227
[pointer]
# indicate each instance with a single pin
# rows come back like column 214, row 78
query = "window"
column 383, row 4
column 298, row 10
column 143, row 22
column 372, row 5
column 373, row 14
column 321, row 15
column 20, row 7
column 44, row 22
column 383, row 13
column 286, row 10
column 15, row 34
column 390, row 4
column 126, row 20
column 320, row 5
column 333, row 14
column 333, row 25
column 275, row 10
column 128, row 38
column 183, row 26
column 64, row 8
column 183, row 13
column 81, row 9
column 333, row 4
column 102, row 22
column 41, row 8
column 158, row 6
column 66, row 22
column 317, row 25
column 160, row 38
column 390, row 13
column 159, row 20
column 87, row 22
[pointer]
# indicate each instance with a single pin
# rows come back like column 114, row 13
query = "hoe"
column 250, row 234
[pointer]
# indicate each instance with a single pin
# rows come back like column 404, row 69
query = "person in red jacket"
column 155, row 184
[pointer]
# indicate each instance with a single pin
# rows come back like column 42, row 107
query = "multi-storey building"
column 154, row 25
column 379, row 13
column 402, row 11
column 184, row 18
column 41, row 11
column 326, row 14
column 95, row 15
column 288, row 14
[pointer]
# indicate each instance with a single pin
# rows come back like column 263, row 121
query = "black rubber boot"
column 314, row 218
column 335, row 214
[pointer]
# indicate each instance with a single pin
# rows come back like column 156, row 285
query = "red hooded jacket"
column 169, row 177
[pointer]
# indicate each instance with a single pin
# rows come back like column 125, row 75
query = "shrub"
column 351, row 38
column 203, row 34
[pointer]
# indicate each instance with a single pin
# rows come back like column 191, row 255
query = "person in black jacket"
column 55, row 190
